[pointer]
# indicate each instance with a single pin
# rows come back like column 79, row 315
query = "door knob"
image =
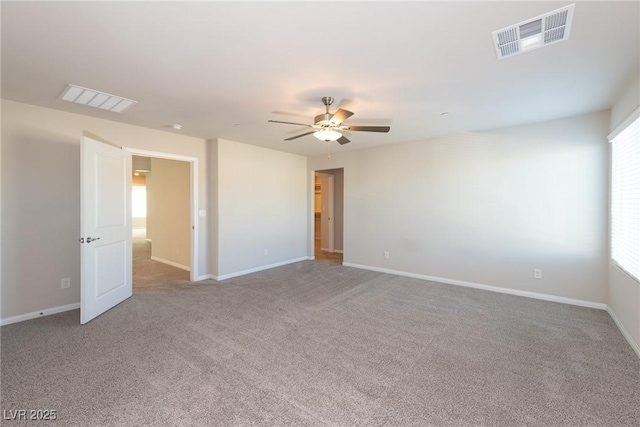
column 89, row 239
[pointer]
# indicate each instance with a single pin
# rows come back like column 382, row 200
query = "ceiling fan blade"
column 290, row 123
column 367, row 128
column 341, row 115
column 343, row 140
column 301, row 135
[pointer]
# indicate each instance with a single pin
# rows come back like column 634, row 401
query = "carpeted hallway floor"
column 150, row 275
column 320, row 255
column 315, row 343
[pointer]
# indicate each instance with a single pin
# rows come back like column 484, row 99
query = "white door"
column 105, row 227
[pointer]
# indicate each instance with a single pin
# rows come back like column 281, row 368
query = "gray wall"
column 485, row 207
column 261, row 204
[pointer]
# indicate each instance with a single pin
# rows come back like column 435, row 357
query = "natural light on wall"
column 139, row 201
column 625, row 195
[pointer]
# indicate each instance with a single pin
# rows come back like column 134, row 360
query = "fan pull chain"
column 328, row 149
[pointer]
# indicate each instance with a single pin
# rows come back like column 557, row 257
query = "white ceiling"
column 223, row 69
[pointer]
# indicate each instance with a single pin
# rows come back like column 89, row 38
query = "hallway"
column 333, row 257
column 150, row 275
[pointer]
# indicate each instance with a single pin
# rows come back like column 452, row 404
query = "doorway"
column 161, row 222
column 164, row 219
column 328, row 215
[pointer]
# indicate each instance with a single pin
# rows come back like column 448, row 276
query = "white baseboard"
column 634, row 345
column 203, row 277
column 528, row 294
column 39, row 313
column 171, row 263
column 261, row 268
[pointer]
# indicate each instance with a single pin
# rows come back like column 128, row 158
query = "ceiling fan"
column 327, row 127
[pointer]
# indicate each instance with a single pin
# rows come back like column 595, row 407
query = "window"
column 625, row 195
column 139, row 201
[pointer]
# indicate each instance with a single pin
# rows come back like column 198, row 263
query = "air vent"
column 94, row 98
column 537, row 32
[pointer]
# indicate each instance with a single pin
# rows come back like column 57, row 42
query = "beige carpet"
column 315, row 343
column 150, row 275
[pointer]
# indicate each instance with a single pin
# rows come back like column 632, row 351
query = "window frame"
column 632, row 267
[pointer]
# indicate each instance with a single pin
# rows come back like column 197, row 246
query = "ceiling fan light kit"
column 329, row 126
column 327, row 135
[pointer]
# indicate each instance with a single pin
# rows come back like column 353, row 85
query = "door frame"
column 193, row 274
column 330, row 191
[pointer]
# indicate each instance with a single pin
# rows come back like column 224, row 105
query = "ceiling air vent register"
column 537, row 32
column 95, row 98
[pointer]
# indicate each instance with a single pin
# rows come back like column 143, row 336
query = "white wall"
column 485, row 207
column 169, row 211
column 1, row 228
column 41, row 199
column 262, row 204
column 624, row 291
column 628, row 101
column 212, row 207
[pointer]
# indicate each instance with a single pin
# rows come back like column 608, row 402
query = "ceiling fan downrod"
column 327, row 101
column 323, row 119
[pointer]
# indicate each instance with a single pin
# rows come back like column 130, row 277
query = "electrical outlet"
column 386, row 254
column 65, row 283
column 537, row 273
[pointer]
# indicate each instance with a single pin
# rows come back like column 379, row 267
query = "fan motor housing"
column 323, row 119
